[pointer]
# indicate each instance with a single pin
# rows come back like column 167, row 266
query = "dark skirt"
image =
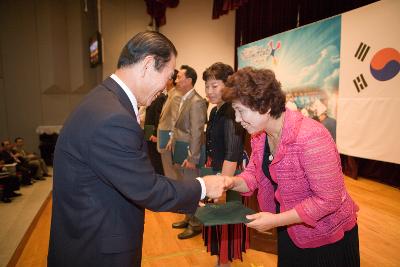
column 226, row 241
column 344, row 252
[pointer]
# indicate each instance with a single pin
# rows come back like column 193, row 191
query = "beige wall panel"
column 53, row 52
column 200, row 41
column 121, row 19
column 45, row 49
column 3, row 112
column 137, row 18
column 75, row 45
column 56, row 108
column 59, row 40
column 20, row 69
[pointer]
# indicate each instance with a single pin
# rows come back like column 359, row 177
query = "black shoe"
column 6, row 200
column 15, row 194
column 27, row 183
column 46, row 175
column 189, row 233
column 39, row 178
column 180, row 225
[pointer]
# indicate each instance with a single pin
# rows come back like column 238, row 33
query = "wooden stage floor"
column 379, row 229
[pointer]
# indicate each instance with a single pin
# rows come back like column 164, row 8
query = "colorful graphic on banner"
column 308, row 70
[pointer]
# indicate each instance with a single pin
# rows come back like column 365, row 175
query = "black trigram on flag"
column 360, row 83
column 362, row 51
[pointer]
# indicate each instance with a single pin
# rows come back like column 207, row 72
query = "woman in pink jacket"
column 296, row 168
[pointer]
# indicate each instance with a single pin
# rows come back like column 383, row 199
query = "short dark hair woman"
column 224, row 139
column 296, row 168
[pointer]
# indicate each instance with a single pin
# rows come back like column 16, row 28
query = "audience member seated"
column 9, row 183
column 22, row 168
column 31, row 158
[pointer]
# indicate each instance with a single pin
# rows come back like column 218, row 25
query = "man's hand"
column 215, row 186
column 229, row 182
column 169, row 145
column 228, row 185
column 221, row 199
column 188, row 165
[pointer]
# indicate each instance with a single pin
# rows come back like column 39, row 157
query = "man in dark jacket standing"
column 103, row 180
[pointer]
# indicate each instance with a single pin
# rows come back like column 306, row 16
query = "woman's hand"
column 262, row 221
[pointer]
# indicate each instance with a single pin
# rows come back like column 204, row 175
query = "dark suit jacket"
column 103, row 181
column 153, row 112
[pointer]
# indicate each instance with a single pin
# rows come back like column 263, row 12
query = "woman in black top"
column 224, row 152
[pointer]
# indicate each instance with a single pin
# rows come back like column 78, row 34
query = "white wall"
column 44, row 70
column 200, row 41
column 120, row 20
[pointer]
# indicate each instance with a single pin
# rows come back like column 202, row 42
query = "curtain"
column 222, row 7
column 156, row 9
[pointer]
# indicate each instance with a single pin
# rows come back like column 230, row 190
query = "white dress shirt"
column 128, row 92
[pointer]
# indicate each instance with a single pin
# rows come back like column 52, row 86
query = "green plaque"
column 219, row 214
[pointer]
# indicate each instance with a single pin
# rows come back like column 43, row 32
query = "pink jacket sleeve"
column 249, row 174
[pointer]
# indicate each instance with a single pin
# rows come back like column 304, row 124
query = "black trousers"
column 10, row 183
column 155, row 157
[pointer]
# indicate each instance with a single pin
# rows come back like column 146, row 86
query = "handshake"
column 216, row 185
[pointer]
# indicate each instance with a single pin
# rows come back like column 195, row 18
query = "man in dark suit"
column 103, row 179
column 152, row 118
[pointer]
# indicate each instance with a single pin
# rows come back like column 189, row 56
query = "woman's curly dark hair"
column 257, row 89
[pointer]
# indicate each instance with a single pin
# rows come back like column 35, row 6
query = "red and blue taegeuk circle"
column 385, row 64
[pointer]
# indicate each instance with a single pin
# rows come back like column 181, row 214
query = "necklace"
column 273, row 145
column 272, row 148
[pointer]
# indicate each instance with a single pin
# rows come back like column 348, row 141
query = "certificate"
column 163, row 138
column 219, row 214
column 181, row 152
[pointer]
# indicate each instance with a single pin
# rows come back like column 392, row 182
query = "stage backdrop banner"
column 346, row 66
column 368, row 121
column 305, row 60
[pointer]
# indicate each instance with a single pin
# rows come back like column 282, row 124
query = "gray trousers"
column 40, row 165
column 170, row 170
column 194, row 223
